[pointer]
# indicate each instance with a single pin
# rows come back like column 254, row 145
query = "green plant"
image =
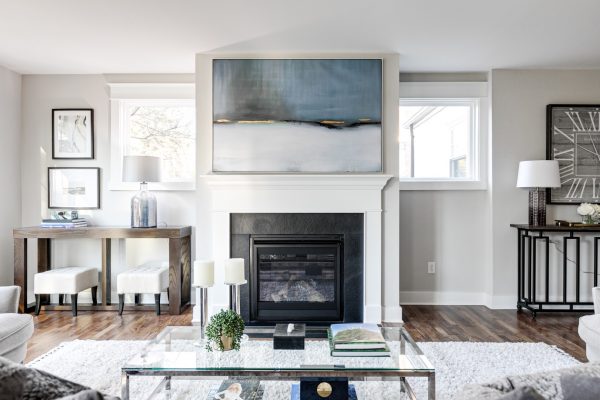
column 226, row 323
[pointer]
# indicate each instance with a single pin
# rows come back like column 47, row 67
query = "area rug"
column 96, row 363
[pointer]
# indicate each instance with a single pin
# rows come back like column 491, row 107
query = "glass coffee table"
column 174, row 355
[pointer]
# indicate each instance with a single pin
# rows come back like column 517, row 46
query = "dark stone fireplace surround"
column 348, row 225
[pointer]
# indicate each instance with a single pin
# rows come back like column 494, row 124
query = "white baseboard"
column 505, row 302
column 372, row 314
column 443, row 298
column 392, row 314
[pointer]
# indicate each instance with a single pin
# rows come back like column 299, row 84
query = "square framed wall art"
column 297, row 115
column 72, row 133
column 74, row 188
column 573, row 139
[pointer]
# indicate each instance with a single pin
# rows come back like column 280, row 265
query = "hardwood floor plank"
column 425, row 324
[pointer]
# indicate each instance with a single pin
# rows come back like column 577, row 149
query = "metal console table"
column 527, row 238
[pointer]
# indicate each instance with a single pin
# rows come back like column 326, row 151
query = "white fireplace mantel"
column 343, row 193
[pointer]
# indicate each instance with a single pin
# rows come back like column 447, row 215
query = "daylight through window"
column 438, row 139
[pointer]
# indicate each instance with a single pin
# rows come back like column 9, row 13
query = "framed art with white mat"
column 74, row 188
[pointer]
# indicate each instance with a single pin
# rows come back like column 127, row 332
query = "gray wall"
column 10, row 167
column 519, row 99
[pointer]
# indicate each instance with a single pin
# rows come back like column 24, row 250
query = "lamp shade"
column 141, row 169
column 538, row 174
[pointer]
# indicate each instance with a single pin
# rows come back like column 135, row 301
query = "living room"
column 200, row 195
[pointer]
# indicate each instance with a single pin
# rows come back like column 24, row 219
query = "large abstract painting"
column 297, row 115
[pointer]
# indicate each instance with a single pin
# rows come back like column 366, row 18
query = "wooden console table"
column 527, row 238
column 179, row 260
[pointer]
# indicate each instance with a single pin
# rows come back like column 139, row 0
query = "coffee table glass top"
column 174, row 349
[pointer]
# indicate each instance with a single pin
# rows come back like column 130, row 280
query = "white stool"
column 67, row 280
column 151, row 277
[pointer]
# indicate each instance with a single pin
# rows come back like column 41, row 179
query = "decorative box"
column 324, row 388
column 284, row 340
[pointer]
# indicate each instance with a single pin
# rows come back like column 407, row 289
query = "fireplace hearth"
column 301, row 267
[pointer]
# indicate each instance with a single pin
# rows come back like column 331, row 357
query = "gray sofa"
column 575, row 383
column 15, row 329
column 589, row 329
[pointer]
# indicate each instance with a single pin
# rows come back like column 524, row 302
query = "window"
column 436, row 137
column 442, row 138
column 155, row 127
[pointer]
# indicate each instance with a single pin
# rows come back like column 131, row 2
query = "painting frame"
column 573, row 139
column 62, row 151
column 379, row 101
column 89, row 176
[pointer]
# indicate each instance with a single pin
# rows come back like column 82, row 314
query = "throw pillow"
column 580, row 387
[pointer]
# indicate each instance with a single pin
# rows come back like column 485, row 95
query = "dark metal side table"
column 528, row 270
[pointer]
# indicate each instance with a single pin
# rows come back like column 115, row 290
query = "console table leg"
column 431, row 386
column 20, row 277
column 124, row 386
column 44, row 262
column 106, row 267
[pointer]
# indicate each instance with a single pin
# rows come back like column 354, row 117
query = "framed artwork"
column 297, row 115
column 573, row 139
column 72, row 133
column 74, row 188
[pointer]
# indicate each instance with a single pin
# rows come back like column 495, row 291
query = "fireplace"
column 301, row 267
column 296, row 278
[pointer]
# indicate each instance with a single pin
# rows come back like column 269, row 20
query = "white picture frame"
column 74, row 188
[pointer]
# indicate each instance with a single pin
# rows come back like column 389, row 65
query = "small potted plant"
column 224, row 331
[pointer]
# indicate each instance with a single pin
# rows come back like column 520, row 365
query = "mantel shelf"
column 297, row 181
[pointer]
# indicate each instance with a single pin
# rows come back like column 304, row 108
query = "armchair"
column 589, row 329
column 15, row 329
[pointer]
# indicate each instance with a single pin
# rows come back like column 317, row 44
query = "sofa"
column 589, row 329
column 576, row 383
column 18, row 382
column 15, row 329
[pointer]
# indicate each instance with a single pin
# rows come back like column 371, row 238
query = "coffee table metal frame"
column 283, row 374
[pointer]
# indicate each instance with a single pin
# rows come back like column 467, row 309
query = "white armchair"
column 589, row 329
column 15, row 329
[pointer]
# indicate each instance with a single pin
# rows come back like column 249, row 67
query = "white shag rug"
column 97, row 363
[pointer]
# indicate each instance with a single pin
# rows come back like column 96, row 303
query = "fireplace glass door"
column 296, row 278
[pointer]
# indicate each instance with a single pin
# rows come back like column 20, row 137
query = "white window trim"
column 454, row 91
column 120, row 95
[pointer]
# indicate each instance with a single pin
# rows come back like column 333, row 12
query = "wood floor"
column 425, row 323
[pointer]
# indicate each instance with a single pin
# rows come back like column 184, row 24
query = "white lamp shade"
column 204, row 273
column 538, row 174
column 234, row 271
column 141, row 169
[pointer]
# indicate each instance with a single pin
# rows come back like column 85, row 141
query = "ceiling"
column 160, row 36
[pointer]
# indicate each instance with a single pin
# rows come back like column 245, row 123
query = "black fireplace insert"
column 296, row 278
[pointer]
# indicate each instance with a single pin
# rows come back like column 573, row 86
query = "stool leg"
column 157, row 303
column 121, row 303
column 38, row 304
column 61, row 299
column 95, row 295
column 168, row 295
column 136, row 299
column 74, row 304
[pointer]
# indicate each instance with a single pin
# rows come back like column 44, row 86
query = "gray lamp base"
column 537, row 207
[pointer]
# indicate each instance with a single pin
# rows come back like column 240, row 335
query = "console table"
column 179, row 260
column 527, row 238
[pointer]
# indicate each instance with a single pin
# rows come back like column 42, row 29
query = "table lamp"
column 537, row 175
column 142, row 169
column 234, row 277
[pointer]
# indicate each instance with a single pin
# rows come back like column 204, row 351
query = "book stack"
column 357, row 340
column 64, row 223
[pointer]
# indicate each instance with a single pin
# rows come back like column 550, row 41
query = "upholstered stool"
column 67, row 280
column 151, row 277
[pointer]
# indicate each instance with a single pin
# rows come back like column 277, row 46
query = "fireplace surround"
column 302, row 267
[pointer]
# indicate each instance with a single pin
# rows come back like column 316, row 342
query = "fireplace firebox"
column 296, row 278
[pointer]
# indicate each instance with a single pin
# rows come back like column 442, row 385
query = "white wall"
column 10, row 165
column 519, row 99
column 42, row 93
